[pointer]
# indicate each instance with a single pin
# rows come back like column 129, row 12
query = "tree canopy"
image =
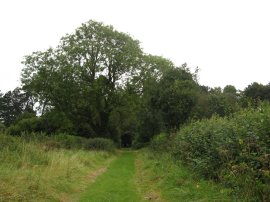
column 98, row 82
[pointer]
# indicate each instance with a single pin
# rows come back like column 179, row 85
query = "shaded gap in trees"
column 126, row 140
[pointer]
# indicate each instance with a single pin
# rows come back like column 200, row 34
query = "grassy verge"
column 116, row 184
column 31, row 172
column 146, row 180
column 160, row 179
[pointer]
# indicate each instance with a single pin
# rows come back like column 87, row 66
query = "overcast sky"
column 229, row 40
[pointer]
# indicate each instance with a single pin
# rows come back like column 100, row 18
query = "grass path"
column 117, row 184
column 143, row 176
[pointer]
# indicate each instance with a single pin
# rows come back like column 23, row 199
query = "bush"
column 70, row 141
column 100, row 144
column 161, row 142
column 28, row 125
column 234, row 151
column 50, row 123
column 25, row 115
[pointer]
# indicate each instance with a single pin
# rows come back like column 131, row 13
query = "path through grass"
column 144, row 176
column 117, row 184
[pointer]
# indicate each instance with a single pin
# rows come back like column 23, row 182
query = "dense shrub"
column 100, row 144
column 28, row 125
column 49, row 123
column 235, row 151
column 69, row 141
column 161, row 142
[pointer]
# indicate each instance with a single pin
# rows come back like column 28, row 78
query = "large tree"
column 80, row 76
column 177, row 96
column 102, row 84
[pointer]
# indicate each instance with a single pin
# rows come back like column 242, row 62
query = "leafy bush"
column 235, row 151
column 29, row 125
column 49, row 123
column 69, row 141
column 25, row 115
column 161, row 142
column 100, row 144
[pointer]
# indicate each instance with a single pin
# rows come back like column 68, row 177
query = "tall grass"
column 160, row 178
column 35, row 170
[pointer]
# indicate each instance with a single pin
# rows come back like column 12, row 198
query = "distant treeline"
column 99, row 83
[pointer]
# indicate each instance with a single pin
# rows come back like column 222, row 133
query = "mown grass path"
column 117, row 184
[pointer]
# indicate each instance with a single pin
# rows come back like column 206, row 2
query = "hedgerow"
column 234, row 151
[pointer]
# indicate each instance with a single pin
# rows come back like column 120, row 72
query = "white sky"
column 229, row 40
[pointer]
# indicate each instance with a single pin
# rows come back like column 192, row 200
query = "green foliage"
column 229, row 89
column 235, row 151
column 214, row 101
column 51, row 123
column 100, row 144
column 167, row 101
column 176, row 97
column 67, row 141
column 258, row 91
column 98, row 83
column 26, row 125
column 13, row 104
column 24, row 115
column 80, row 77
column 161, row 142
column 56, row 122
